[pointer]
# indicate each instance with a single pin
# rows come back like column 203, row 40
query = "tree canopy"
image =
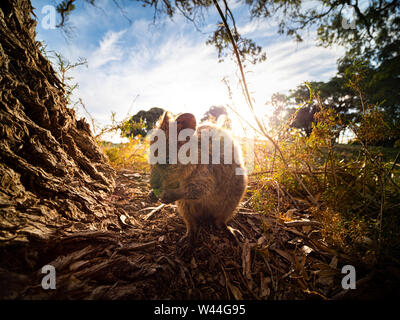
column 141, row 123
column 214, row 113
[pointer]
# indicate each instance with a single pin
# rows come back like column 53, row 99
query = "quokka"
column 205, row 193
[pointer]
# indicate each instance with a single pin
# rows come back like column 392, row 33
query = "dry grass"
column 132, row 154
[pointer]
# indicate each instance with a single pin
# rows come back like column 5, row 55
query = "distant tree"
column 303, row 119
column 141, row 123
column 300, row 105
column 355, row 85
column 377, row 85
column 279, row 103
column 286, row 110
column 214, row 113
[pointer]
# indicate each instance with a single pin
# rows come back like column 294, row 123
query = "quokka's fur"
column 204, row 193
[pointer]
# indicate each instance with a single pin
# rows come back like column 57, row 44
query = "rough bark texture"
column 53, row 176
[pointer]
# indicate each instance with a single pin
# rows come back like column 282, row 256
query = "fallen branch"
column 138, row 246
column 302, row 223
column 152, row 212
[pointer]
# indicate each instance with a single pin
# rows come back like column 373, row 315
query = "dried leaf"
column 246, row 264
column 264, row 288
column 284, row 254
column 237, row 294
column 334, row 262
column 306, row 250
column 193, row 263
column 123, row 219
column 261, row 240
column 78, row 264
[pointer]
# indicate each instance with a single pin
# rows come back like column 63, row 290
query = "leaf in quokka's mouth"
column 157, row 192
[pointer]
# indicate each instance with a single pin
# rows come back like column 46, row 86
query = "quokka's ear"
column 164, row 123
column 186, row 121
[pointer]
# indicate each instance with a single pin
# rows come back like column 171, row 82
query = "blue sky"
column 168, row 64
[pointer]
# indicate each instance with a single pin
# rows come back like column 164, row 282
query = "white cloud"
column 108, row 50
column 258, row 28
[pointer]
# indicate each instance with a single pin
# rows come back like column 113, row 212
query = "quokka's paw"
column 151, row 196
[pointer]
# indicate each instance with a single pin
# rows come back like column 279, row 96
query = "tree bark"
column 53, row 176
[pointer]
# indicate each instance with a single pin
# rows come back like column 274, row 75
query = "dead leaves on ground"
column 139, row 260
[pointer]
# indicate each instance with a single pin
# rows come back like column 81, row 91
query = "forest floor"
column 139, row 258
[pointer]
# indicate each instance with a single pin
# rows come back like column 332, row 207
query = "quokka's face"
column 168, row 175
column 164, row 176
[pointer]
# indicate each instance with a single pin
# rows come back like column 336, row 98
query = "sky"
column 135, row 64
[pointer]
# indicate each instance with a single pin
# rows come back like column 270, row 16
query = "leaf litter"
column 137, row 257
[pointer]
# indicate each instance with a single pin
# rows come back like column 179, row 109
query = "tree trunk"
column 53, row 176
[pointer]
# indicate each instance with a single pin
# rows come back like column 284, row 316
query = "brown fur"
column 204, row 193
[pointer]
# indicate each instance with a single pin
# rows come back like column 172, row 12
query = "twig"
column 301, row 223
column 138, row 246
column 394, row 163
column 152, row 212
column 148, row 208
column 290, row 196
column 310, row 173
column 380, row 217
